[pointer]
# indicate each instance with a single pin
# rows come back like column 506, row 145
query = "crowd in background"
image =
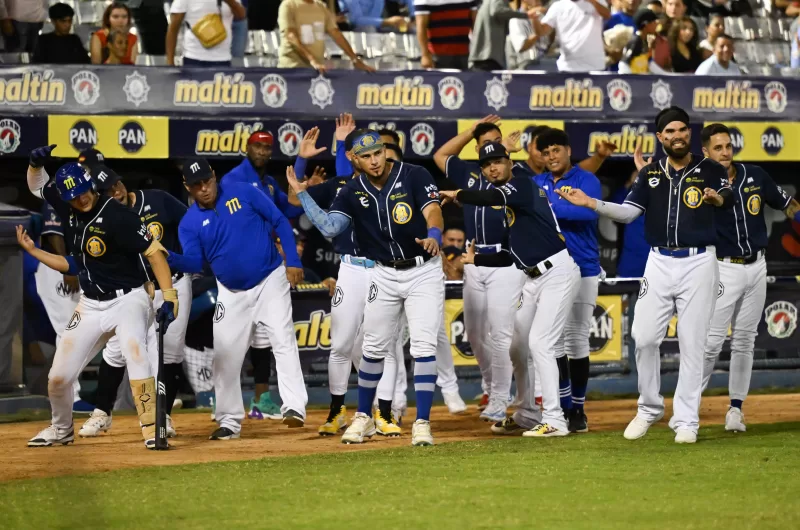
column 631, row 36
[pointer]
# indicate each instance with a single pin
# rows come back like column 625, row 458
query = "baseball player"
column 161, row 213
column 106, row 241
column 490, row 294
column 678, row 196
column 741, row 240
column 579, row 226
column 536, row 246
column 395, row 213
column 230, row 226
column 536, row 164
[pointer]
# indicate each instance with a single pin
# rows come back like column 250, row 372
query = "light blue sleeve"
column 329, row 224
column 343, row 166
column 358, row 16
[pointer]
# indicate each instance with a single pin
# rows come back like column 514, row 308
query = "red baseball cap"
column 260, row 137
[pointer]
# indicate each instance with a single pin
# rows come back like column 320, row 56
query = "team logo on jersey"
column 754, row 204
column 619, row 95
column 781, row 318
column 401, row 213
column 653, row 181
column 661, row 95
column 338, row 296
column 156, row 230
column 136, row 88
column 373, row 292
column 720, row 290
column 364, row 201
column 289, row 136
column 274, row 90
column 95, row 247
column 422, row 139
column 451, row 92
column 643, row 288
column 775, row 96
column 510, row 217
column 74, row 321
column 10, row 134
column 693, row 197
column 321, row 92
column 86, row 87
column 219, row 312
column 496, row 93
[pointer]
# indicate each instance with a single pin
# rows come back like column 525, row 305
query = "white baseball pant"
column 575, row 341
column 58, row 304
column 347, row 330
column 689, row 285
column 92, row 324
column 742, row 294
column 490, row 300
column 528, row 413
column 542, row 311
column 245, row 318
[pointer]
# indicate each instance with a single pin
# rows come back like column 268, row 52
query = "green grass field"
column 594, row 481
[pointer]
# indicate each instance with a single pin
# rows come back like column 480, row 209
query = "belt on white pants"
column 358, row 262
column 547, row 264
column 743, row 260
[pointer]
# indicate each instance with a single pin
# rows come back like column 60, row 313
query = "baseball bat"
column 161, row 396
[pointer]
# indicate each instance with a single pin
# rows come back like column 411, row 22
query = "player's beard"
column 676, row 153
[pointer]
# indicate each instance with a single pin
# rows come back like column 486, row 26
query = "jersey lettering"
column 233, row 205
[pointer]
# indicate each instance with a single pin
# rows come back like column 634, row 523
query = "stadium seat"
column 411, row 46
column 331, row 48
column 14, row 58
column 84, row 31
column 151, row 60
column 89, row 12
column 271, row 43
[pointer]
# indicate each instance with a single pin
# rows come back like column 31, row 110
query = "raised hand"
column 317, row 177
column 638, row 156
column 345, row 124
column 512, row 142
column 295, row 185
column 308, row 146
column 41, row 155
column 605, row 149
column 24, row 239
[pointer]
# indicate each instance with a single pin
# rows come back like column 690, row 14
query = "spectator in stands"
column 22, row 22
column 637, row 57
column 367, row 15
column 624, row 16
column 673, row 10
column 656, row 7
column 522, row 52
column 487, row 49
column 151, row 25
column 116, row 17
column 686, row 55
column 303, row 25
column 239, row 30
column 579, row 25
column 209, row 28
column 715, row 27
column 117, row 48
column 60, row 46
column 443, row 29
column 721, row 62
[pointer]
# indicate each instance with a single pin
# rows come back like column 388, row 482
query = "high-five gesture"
column 308, row 146
column 512, row 142
column 345, row 124
column 295, row 185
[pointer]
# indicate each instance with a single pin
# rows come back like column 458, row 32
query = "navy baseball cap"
column 196, row 169
column 491, row 151
column 90, row 157
column 104, row 177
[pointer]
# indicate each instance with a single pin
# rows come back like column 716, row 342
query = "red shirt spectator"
column 117, row 16
column 443, row 28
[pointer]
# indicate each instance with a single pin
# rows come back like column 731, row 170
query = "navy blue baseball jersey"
column 387, row 221
column 672, row 201
column 578, row 224
column 52, row 224
column 161, row 213
column 487, row 225
column 742, row 230
column 324, row 194
column 106, row 243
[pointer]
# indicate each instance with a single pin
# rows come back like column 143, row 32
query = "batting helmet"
column 72, row 180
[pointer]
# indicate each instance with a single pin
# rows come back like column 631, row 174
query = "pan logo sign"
column 82, row 135
column 737, row 140
column 772, row 141
column 458, row 337
column 132, row 136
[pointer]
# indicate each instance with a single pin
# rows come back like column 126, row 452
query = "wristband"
column 797, row 217
column 300, row 168
column 436, row 234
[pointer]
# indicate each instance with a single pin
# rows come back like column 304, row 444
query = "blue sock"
column 369, row 373
column 424, row 385
column 737, row 403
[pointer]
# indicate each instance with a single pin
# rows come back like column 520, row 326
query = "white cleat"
column 734, row 420
column 170, row 428
column 98, row 422
column 454, row 402
column 421, row 433
column 685, row 436
column 52, row 435
column 361, row 427
column 638, row 427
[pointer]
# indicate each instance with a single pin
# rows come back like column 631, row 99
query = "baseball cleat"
column 578, row 421
column 454, row 402
column 421, row 433
column 52, row 435
column 264, row 408
column 361, row 427
column 638, row 427
column 97, row 423
column 734, row 420
column 337, row 420
column 508, row 427
column 685, row 436
column 544, row 430
column 177, row 403
column 293, row 419
column 224, row 433
column 484, row 402
column 386, row 427
column 495, row 411
column 170, row 428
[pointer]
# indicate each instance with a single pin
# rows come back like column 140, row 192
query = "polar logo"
column 132, row 137
column 82, row 136
column 422, row 139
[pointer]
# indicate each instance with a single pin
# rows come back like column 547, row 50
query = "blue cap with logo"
column 73, row 180
column 367, row 142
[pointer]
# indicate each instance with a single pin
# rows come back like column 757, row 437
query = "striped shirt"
column 449, row 25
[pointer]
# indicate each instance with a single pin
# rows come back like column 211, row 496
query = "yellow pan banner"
column 761, row 141
column 114, row 136
column 506, row 127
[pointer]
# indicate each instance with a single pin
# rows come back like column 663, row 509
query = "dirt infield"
column 123, row 448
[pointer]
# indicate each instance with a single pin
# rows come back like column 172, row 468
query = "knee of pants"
column 343, row 345
column 576, row 340
column 645, row 336
column 113, row 357
column 743, row 342
column 59, row 383
column 422, row 348
column 336, row 357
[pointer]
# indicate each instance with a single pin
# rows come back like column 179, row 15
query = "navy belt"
column 105, row 297
column 680, row 252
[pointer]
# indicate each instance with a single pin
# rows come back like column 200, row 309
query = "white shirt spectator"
column 24, row 10
column 519, row 30
column 579, row 28
column 194, row 10
column 711, row 66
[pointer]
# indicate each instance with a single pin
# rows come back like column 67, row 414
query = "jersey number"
column 233, row 205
